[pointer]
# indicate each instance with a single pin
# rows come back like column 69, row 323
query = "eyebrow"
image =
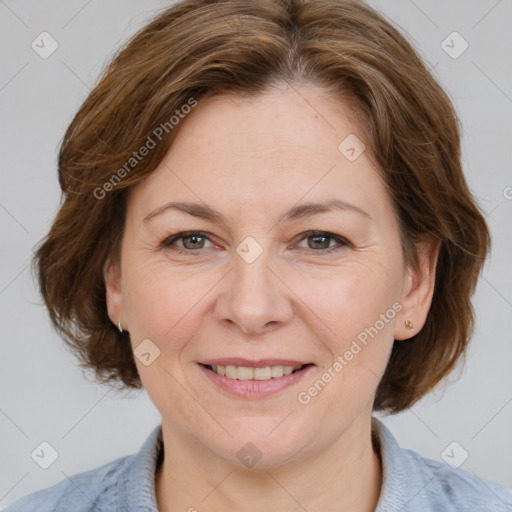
column 300, row 211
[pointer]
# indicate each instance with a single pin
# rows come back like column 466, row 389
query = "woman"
column 266, row 225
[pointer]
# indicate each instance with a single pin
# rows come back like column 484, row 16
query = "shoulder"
column 126, row 483
column 442, row 487
column 414, row 483
column 91, row 490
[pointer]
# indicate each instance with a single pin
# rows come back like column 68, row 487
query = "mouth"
column 251, row 378
column 254, row 373
column 254, row 382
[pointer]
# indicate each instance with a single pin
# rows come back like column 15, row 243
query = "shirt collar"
column 401, row 482
column 136, row 487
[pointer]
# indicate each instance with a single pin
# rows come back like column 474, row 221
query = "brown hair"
column 202, row 48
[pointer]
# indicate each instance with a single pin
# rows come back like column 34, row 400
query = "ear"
column 418, row 290
column 115, row 305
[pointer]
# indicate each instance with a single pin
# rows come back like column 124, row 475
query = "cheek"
column 352, row 297
column 355, row 310
column 360, row 311
column 164, row 304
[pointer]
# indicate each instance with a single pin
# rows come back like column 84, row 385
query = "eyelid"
column 342, row 242
column 315, row 232
column 168, row 241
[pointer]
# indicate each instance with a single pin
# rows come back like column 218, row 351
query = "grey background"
column 44, row 394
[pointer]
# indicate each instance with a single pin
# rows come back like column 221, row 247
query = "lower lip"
column 255, row 388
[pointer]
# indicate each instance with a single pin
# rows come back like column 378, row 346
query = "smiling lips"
column 244, row 369
column 257, row 381
column 248, row 373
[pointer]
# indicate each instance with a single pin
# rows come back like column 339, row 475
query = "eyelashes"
column 319, row 237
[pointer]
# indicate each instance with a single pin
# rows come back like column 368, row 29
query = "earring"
column 119, row 327
column 409, row 325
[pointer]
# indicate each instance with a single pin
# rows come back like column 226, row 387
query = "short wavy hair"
column 202, row 48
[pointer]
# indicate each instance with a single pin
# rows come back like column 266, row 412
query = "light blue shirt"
column 411, row 483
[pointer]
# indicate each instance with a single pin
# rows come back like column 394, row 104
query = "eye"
column 321, row 241
column 191, row 240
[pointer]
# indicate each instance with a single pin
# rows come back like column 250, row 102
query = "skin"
column 252, row 159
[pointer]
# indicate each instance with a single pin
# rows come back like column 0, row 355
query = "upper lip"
column 240, row 361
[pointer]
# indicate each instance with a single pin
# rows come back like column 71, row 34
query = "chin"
column 262, row 443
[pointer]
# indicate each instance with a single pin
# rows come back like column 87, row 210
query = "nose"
column 254, row 296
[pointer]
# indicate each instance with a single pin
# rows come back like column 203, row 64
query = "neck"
column 346, row 476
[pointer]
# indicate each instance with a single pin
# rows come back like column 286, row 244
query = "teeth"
column 276, row 371
column 262, row 373
column 249, row 373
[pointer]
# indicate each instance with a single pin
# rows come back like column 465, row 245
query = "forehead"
column 284, row 121
column 262, row 153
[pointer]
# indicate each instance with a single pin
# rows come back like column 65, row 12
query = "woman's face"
column 255, row 289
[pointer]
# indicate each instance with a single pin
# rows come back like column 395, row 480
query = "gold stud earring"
column 409, row 325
